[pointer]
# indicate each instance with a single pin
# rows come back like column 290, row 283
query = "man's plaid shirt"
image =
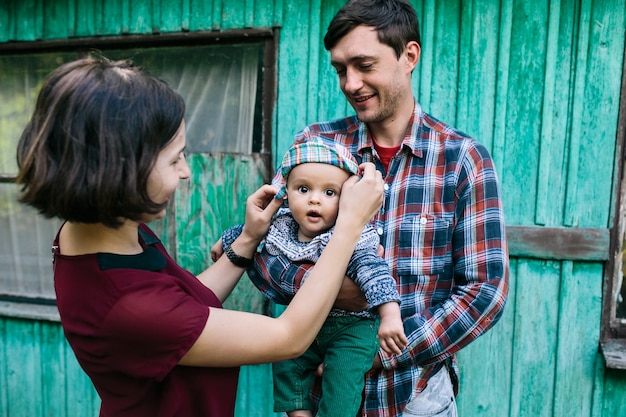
column 442, row 227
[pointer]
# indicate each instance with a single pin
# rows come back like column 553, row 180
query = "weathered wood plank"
column 613, row 403
column 544, row 189
column 563, row 243
column 253, row 398
column 331, row 101
column 5, row 335
column 496, row 372
column 572, row 196
column 53, row 370
column 500, row 134
column 81, row 399
column 23, row 363
column 535, row 338
column 614, row 352
column 577, row 345
column 522, row 123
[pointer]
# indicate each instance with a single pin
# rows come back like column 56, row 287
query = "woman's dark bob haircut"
column 94, row 137
column 394, row 20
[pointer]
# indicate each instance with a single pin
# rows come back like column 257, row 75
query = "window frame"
column 613, row 329
column 44, row 308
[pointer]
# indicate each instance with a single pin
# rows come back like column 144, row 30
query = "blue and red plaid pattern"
column 442, row 227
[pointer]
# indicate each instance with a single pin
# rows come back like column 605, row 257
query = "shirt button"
column 423, row 220
column 379, row 231
column 386, row 187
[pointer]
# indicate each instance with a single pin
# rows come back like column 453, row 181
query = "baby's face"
column 313, row 191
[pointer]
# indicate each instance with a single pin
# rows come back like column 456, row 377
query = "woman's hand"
column 260, row 208
column 361, row 198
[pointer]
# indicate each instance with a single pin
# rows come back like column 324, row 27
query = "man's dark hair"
column 94, row 137
column 394, row 20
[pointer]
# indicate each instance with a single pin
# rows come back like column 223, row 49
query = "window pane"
column 25, row 248
column 219, row 85
column 20, row 79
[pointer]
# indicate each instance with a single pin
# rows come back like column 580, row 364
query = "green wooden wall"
column 537, row 82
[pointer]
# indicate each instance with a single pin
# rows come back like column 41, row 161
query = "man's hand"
column 350, row 297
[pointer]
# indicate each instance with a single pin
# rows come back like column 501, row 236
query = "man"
column 441, row 225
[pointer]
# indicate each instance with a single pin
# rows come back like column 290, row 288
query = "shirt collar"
column 412, row 139
column 151, row 259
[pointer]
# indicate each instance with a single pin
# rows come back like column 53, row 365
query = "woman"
column 104, row 150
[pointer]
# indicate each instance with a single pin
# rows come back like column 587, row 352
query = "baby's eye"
column 303, row 189
column 330, row 193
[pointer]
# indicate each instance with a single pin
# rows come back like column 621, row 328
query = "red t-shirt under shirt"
column 129, row 320
column 385, row 153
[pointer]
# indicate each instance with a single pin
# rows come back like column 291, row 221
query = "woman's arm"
column 233, row 338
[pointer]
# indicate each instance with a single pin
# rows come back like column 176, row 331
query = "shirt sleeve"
column 229, row 235
column 480, row 266
column 371, row 272
column 275, row 276
column 151, row 327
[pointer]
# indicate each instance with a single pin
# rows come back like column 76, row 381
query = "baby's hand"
column 391, row 336
column 217, row 250
column 391, row 331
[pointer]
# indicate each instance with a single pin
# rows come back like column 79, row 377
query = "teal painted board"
column 314, row 50
column 501, row 136
column 293, row 72
column 88, row 18
column 55, row 12
column 255, row 392
column 443, row 53
column 598, row 134
column 200, row 12
column 6, row 31
column 331, row 103
column 425, row 70
column 81, row 397
column 4, row 381
column 558, row 86
column 614, row 392
column 477, row 83
column 580, row 309
column 535, row 338
column 486, row 364
column 523, row 112
column 113, row 17
column 23, row 368
column 171, row 16
column 53, row 367
column 140, row 16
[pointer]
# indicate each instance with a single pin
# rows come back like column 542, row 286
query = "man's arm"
column 480, row 269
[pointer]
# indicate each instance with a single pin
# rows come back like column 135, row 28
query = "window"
column 223, row 84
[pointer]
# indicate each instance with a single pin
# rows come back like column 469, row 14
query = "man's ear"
column 412, row 53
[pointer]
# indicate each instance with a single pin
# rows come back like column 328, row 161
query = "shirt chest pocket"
column 423, row 245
